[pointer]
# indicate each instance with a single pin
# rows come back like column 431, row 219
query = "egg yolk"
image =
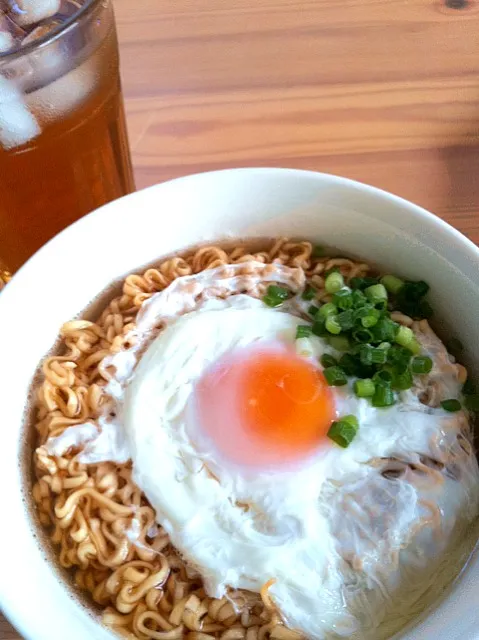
column 264, row 406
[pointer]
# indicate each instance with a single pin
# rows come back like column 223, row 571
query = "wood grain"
column 383, row 91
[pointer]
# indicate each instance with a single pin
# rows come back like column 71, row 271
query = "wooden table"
column 383, row 91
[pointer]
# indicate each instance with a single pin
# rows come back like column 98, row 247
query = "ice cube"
column 7, row 41
column 49, row 60
column 7, row 32
column 69, row 92
column 7, row 24
column 28, row 12
column 17, row 124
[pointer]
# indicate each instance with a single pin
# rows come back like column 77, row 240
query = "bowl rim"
column 281, row 171
column 10, row 594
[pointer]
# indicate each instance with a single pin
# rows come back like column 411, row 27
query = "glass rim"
column 52, row 35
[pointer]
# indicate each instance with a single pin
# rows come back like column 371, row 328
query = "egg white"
column 340, row 539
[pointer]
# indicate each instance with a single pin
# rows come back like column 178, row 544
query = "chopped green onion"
column 376, row 293
column 355, row 283
column 272, row 302
column 421, row 288
column 382, row 305
column 343, row 432
column 366, row 354
column 379, row 356
column 362, row 335
column 399, row 368
column 421, row 365
column 399, row 356
column 364, row 310
column 275, row 295
column 303, row 331
column 451, row 405
column 414, row 347
column 415, row 290
column 319, row 329
column 385, row 330
column 352, row 420
column 383, row 397
column 313, row 310
column 363, row 372
column 402, row 381
column 328, row 309
column 346, row 320
column 385, row 346
column 472, row 402
column 277, row 292
column 332, row 325
column 317, row 252
column 349, row 364
column 406, row 338
column 392, row 284
column 364, row 388
column 328, row 361
column 383, row 378
column 343, row 299
column 340, row 343
column 358, row 298
column 342, row 293
column 371, row 319
column 369, row 281
column 334, row 282
column 308, row 293
column 410, row 301
column 335, row 376
column 362, row 283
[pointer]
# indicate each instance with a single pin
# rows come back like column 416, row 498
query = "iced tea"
column 63, row 142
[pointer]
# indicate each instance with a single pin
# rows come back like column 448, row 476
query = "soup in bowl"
column 241, row 405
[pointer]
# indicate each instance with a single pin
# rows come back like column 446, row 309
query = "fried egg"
column 225, row 417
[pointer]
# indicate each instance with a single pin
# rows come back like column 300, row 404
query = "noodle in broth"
column 100, row 522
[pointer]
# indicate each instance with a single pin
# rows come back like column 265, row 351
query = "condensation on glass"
column 63, row 141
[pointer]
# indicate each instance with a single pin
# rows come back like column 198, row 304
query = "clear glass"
column 63, row 140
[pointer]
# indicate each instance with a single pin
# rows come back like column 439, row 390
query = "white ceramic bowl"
column 68, row 272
